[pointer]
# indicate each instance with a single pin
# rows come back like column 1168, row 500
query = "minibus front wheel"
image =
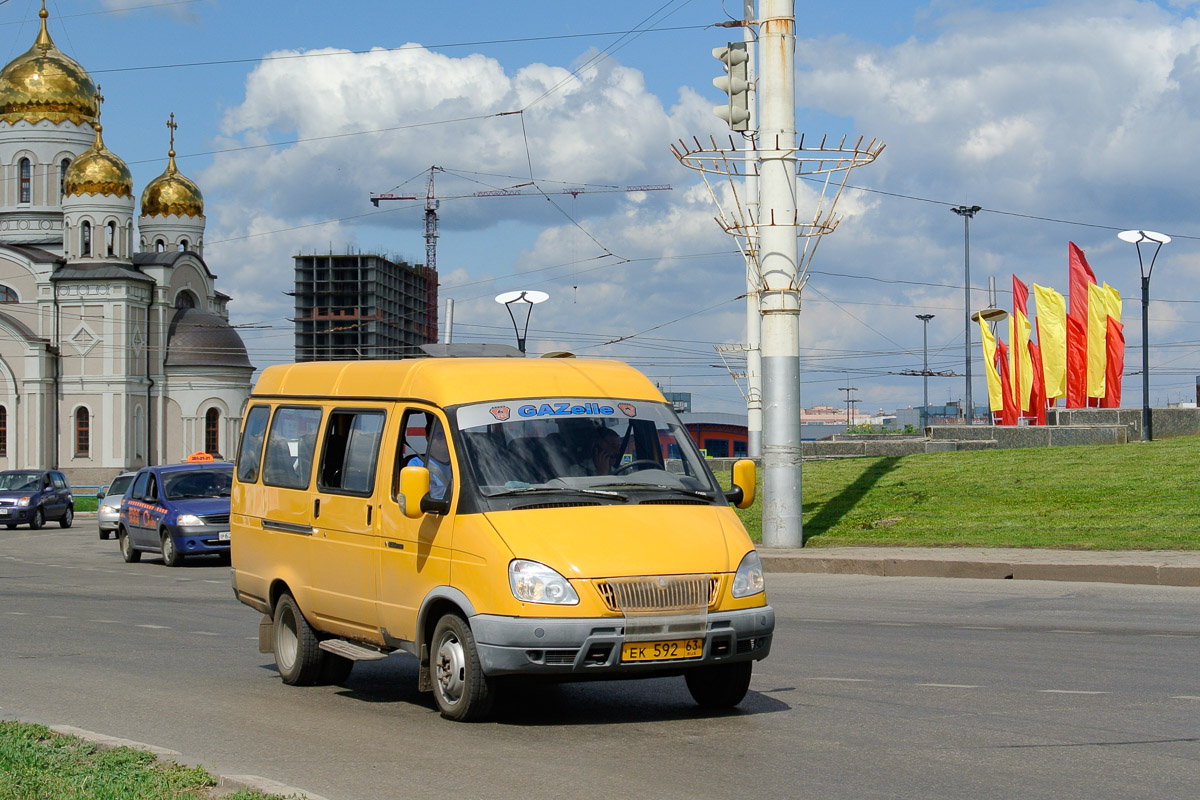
column 720, row 686
column 462, row 692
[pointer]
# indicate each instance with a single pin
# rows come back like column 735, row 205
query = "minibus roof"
column 455, row 381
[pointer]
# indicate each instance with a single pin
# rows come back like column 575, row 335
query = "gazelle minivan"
column 492, row 517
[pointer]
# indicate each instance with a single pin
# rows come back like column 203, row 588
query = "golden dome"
column 98, row 171
column 172, row 192
column 44, row 83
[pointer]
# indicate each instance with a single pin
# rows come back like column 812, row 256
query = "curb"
column 1145, row 568
column 225, row 783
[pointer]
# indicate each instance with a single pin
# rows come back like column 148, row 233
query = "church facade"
column 115, row 346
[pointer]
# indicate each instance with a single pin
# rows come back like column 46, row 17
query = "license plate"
column 662, row 651
column 3, row 512
column 223, row 536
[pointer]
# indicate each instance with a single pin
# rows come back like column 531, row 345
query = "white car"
column 108, row 509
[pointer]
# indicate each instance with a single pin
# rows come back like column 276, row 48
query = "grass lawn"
column 36, row 763
column 1116, row 497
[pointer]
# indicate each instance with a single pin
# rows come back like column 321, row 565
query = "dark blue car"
column 177, row 510
column 33, row 496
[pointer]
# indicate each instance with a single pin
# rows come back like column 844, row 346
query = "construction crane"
column 431, row 204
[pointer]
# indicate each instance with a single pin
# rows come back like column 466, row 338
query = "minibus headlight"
column 532, row 582
column 749, row 577
column 188, row 521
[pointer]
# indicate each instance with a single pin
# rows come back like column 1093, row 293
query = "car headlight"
column 188, row 521
column 107, row 509
column 532, row 582
column 749, row 577
column 23, row 501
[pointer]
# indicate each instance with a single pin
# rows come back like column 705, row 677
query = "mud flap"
column 424, row 677
column 266, row 639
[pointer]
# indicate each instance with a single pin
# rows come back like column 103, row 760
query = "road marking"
column 979, row 627
column 1067, row 691
column 155, row 627
column 105, row 621
column 822, row 621
column 1077, row 633
column 949, row 685
column 206, row 580
column 57, row 616
column 1172, row 635
column 204, row 633
column 895, row 624
column 844, row 680
column 18, row 613
column 1185, row 697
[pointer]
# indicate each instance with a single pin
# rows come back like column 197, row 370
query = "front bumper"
column 16, row 514
column 581, row 647
column 204, row 539
column 108, row 522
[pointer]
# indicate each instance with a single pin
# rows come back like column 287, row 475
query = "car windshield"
column 120, row 484
column 599, row 446
column 19, row 481
column 209, row 482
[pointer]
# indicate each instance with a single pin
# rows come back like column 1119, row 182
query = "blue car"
column 177, row 510
column 33, row 496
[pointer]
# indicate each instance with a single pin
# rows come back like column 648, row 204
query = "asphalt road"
column 876, row 688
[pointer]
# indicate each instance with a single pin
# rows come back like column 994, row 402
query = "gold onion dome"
column 172, row 193
column 98, row 171
column 45, row 83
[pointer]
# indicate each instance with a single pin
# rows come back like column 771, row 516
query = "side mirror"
column 745, row 476
column 414, row 485
column 102, row 493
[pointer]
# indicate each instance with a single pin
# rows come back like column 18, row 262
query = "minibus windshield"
column 599, row 446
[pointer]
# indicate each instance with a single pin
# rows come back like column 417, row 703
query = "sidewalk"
column 1156, row 567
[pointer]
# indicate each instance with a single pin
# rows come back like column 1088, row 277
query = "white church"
column 115, row 345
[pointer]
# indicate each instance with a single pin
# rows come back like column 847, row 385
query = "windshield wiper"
column 559, row 490
column 658, row 487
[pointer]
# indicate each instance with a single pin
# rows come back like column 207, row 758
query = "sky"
column 1065, row 121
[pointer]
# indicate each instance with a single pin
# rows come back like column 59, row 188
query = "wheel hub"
column 450, row 669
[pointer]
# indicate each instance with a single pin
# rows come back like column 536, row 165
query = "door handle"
column 368, row 514
column 395, row 545
column 316, row 508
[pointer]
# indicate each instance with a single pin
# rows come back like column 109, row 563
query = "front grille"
column 676, row 501
column 561, row 657
column 216, row 519
column 7, row 502
column 572, row 504
column 660, row 593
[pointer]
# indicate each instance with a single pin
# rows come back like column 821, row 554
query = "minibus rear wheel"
column 720, row 686
column 463, row 693
column 297, row 651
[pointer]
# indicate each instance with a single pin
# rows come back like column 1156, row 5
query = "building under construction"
column 356, row 307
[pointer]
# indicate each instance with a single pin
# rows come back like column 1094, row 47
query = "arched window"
column 111, row 244
column 159, row 245
column 83, row 441
column 3, row 431
column 26, row 180
column 212, row 431
column 185, row 299
column 183, row 245
column 62, row 178
column 85, row 239
column 7, row 295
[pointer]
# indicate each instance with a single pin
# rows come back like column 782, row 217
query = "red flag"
column 1037, row 395
column 1077, row 323
column 1010, row 413
column 1116, row 365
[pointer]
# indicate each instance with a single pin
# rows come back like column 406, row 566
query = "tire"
column 224, row 559
column 104, row 535
column 297, row 655
column 334, row 669
column 39, row 519
column 10, row 525
column 722, row 686
column 128, row 552
column 170, row 553
column 67, row 518
column 462, row 692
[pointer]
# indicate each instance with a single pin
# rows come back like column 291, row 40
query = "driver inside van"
column 437, row 460
column 606, row 452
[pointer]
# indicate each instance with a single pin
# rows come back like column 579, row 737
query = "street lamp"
column 925, row 372
column 967, row 212
column 526, row 298
column 1137, row 238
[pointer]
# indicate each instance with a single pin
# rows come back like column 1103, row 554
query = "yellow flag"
column 1112, row 302
column 1020, row 363
column 995, row 392
column 1052, row 339
column 1097, row 336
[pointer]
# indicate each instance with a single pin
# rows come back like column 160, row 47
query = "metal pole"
column 449, row 332
column 967, row 212
column 782, row 522
column 754, row 406
column 925, row 371
column 1147, row 433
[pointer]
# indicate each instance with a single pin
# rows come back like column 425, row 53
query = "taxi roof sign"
column 200, row 458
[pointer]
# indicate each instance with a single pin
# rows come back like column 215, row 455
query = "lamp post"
column 1137, row 238
column 967, row 212
column 925, row 371
column 526, row 298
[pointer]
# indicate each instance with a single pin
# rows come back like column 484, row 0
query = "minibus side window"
column 350, row 452
column 250, row 450
column 287, row 462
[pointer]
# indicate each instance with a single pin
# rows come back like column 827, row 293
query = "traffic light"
column 736, row 111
